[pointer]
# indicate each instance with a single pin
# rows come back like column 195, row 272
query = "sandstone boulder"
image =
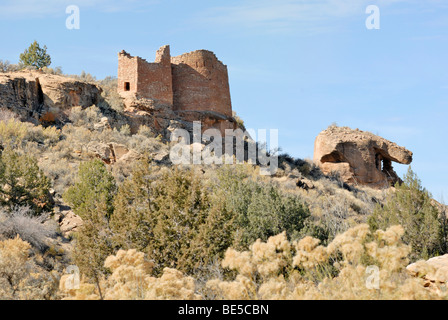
column 102, row 151
column 111, row 153
column 359, row 157
column 433, row 271
column 69, row 222
column 305, row 184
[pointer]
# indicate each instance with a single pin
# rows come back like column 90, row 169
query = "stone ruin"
column 359, row 157
column 195, row 86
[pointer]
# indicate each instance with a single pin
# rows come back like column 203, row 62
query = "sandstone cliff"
column 36, row 96
column 359, row 157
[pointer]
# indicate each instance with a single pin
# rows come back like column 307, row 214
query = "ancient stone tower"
column 190, row 83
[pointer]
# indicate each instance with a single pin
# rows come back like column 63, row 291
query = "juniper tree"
column 23, row 183
column 94, row 183
column 35, row 56
column 410, row 206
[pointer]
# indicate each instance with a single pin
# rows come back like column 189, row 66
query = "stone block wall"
column 201, row 83
column 195, row 81
column 127, row 73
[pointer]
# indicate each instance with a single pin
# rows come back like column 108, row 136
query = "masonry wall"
column 154, row 79
column 127, row 72
column 200, row 83
column 195, row 81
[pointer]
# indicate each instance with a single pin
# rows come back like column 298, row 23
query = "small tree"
column 92, row 199
column 93, row 242
column 95, row 183
column 35, row 56
column 22, row 183
column 411, row 207
column 260, row 209
column 171, row 217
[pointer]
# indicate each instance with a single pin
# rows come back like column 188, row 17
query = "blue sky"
column 294, row 65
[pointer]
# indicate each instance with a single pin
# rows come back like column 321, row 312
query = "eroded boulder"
column 359, row 157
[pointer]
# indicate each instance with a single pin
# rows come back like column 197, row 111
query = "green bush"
column 411, row 207
column 170, row 216
column 92, row 199
column 260, row 209
column 22, row 183
column 94, row 184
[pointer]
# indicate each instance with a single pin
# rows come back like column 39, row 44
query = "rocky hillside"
column 109, row 197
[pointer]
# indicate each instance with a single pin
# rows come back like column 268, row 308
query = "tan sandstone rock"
column 36, row 96
column 359, row 157
column 111, row 152
column 434, row 269
column 69, row 223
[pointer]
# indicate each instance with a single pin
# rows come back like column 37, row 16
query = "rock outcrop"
column 433, row 271
column 359, row 157
column 36, row 96
column 110, row 152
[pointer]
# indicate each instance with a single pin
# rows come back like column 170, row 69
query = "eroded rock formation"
column 359, row 157
column 36, row 96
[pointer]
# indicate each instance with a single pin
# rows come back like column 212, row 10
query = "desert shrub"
column 6, row 66
column 94, row 184
column 20, row 278
column 335, row 214
column 14, row 266
column 278, row 269
column 85, row 117
column 111, row 97
column 23, row 183
column 146, row 131
column 6, row 115
column 143, row 144
column 260, row 208
column 125, row 130
column 239, row 121
column 76, row 138
column 170, row 216
column 23, row 223
column 12, row 133
column 131, row 278
column 61, row 172
column 48, row 136
column 112, row 135
column 411, row 206
column 53, row 71
column 85, row 76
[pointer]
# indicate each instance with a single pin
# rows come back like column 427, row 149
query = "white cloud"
column 22, row 9
column 310, row 16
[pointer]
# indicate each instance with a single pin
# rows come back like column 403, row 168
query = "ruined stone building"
column 194, row 85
